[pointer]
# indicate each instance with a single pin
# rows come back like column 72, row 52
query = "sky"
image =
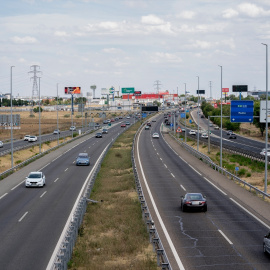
column 133, row 43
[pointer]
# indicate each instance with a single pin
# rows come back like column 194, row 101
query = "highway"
column 32, row 219
column 228, row 236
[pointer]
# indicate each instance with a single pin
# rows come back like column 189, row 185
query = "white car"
column 72, row 128
column 263, row 152
column 56, row 131
column 216, row 127
column 266, row 243
column 1, row 144
column 192, row 132
column 204, row 135
column 32, row 139
column 155, row 135
column 35, row 179
column 26, row 137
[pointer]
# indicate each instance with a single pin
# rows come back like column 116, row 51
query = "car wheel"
column 264, row 248
column 205, row 209
column 183, row 208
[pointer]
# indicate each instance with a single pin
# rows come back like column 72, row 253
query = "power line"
column 35, row 89
column 157, row 84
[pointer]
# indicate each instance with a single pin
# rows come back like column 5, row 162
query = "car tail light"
column 188, row 202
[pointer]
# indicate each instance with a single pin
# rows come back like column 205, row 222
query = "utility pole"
column 35, row 89
column 157, row 84
column 210, row 90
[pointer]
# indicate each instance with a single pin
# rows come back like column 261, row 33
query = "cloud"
column 187, row 14
column 24, row 40
column 161, row 57
column 111, row 50
column 61, row 34
column 252, row 10
column 152, row 20
column 230, row 13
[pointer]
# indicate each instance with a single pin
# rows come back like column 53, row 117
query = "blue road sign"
column 242, row 111
column 237, row 168
column 190, row 121
column 183, row 115
column 144, row 115
column 171, row 124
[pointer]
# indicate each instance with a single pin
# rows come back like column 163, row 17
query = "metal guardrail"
column 162, row 259
column 214, row 166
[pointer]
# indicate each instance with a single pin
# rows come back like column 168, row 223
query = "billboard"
column 239, row 88
column 5, row 120
column 225, row 90
column 128, row 90
column 72, row 90
column 149, row 108
column 200, row 92
column 137, row 93
column 105, row 91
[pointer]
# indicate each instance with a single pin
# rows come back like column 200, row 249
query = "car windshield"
column 83, row 155
column 195, row 197
column 34, row 175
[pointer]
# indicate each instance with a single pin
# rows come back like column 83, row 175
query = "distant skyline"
column 128, row 43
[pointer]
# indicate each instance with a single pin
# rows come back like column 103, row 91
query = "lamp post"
column 11, row 117
column 198, row 133
column 221, row 120
column 57, row 114
column 39, row 126
column 266, row 122
column 185, row 112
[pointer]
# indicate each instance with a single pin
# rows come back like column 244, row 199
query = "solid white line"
column 157, row 153
column 23, row 216
column 178, row 261
column 160, row 158
column 182, row 187
column 43, row 194
column 3, row 196
column 66, row 169
column 194, row 169
column 165, row 165
column 17, row 185
column 225, row 237
column 172, row 175
column 268, row 227
column 56, row 179
column 215, row 186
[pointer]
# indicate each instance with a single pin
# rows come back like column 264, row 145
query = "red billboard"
column 225, row 90
column 72, row 90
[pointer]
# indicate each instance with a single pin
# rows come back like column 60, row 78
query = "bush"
column 36, row 110
column 66, row 115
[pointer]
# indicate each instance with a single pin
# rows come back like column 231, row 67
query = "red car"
column 123, row 125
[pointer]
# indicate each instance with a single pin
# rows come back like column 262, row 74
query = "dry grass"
column 115, row 236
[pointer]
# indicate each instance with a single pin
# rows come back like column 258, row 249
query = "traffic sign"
column 128, row 90
column 263, row 111
column 179, row 129
column 242, row 111
column 183, row 115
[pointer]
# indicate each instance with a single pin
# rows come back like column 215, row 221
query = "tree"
column 156, row 103
column 36, row 110
column 256, row 120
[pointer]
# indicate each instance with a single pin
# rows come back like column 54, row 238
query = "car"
column 97, row 125
column 123, row 125
column 210, row 124
column 183, row 129
column 105, row 122
column 128, row 117
column 194, row 201
column 127, row 123
column 104, row 131
column 72, row 128
column 83, row 159
column 202, row 116
column 155, row 135
column 232, row 136
column 148, row 124
column 216, row 127
column 192, row 132
column 116, row 118
column 266, row 243
column 32, row 139
column 120, row 117
column 99, row 135
column 154, row 120
column 1, row 144
column 263, row 152
column 56, row 131
column 147, row 128
column 229, row 132
column 35, row 179
column 112, row 120
column 204, row 135
column 26, row 137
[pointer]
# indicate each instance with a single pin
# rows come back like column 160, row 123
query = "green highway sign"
column 128, row 90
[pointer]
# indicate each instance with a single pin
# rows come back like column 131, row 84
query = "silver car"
column 266, row 243
column 1, row 144
column 35, row 179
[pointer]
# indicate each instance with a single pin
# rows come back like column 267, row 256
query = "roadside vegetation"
column 113, row 234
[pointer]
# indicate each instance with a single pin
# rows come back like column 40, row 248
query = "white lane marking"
column 182, row 187
column 17, row 185
column 178, row 261
column 160, row 158
column 74, row 161
column 172, row 175
column 3, row 196
column 23, row 216
column 158, row 154
column 43, row 194
column 66, row 169
column 56, row 179
column 222, row 233
column 165, row 166
column 268, row 227
column 194, row 169
column 215, row 186
column 44, row 166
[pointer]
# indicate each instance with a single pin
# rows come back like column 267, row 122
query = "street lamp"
column 221, row 120
column 57, row 114
column 39, row 124
column 185, row 112
column 11, row 118
column 198, row 134
column 266, row 122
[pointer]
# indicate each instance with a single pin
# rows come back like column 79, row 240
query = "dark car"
column 83, row 159
column 127, row 123
column 99, row 135
column 97, row 125
column 266, row 243
column 232, row 136
column 104, row 131
column 229, row 132
column 195, row 201
column 148, row 124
